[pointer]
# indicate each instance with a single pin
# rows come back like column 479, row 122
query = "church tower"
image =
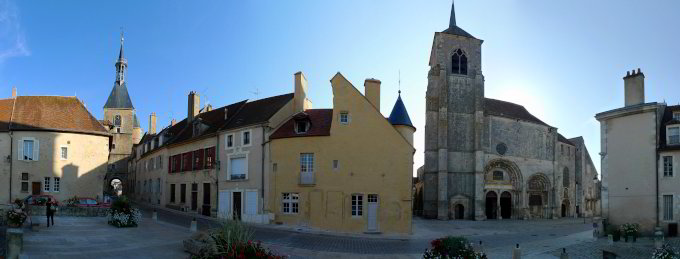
column 119, row 114
column 454, row 124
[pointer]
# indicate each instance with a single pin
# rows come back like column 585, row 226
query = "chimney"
column 173, row 122
column 194, row 108
column 300, row 101
column 152, row 123
column 372, row 91
column 14, row 92
column 634, row 87
column 226, row 113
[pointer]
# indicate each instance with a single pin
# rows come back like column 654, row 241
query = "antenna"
column 256, row 92
column 399, row 81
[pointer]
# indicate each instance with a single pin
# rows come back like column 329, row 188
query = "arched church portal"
column 506, row 205
column 459, row 211
column 491, row 208
column 503, row 177
column 538, row 192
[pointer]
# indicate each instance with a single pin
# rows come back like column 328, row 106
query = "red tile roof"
column 48, row 113
column 5, row 113
column 320, row 124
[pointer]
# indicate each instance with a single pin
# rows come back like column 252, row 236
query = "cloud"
column 12, row 39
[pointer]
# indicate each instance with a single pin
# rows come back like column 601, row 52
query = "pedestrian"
column 51, row 208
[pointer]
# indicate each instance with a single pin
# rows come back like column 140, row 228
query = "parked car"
column 90, row 202
column 39, row 200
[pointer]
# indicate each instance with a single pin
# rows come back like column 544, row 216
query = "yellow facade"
column 372, row 158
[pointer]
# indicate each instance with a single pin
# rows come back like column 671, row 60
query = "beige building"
column 51, row 145
column 640, row 142
column 345, row 169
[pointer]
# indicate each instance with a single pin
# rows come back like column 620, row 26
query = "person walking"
column 51, row 208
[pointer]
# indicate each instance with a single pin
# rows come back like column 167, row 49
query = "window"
column 459, row 63
column 113, row 145
column 24, row 186
column 117, row 130
column 290, row 203
column 186, row 161
column 24, row 176
column 117, row 122
column 674, row 136
column 335, row 164
column 561, row 149
column 667, row 166
column 357, row 205
column 498, row 175
column 569, row 151
column 668, row 207
column 307, row 162
column 565, row 177
column 230, row 141
column 172, row 192
column 676, row 116
column 159, row 161
column 64, row 153
column 245, row 137
column 46, row 184
column 145, row 189
column 301, row 127
column 237, row 168
column 344, row 117
column 183, row 193
column 28, row 149
column 198, row 159
column 274, row 167
column 209, row 157
column 57, row 182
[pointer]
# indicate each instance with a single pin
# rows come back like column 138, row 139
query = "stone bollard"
column 194, row 226
column 610, row 239
column 15, row 242
column 658, row 237
column 516, row 252
column 154, row 215
column 564, row 254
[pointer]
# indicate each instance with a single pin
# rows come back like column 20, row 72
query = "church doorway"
column 506, row 205
column 565, row 208
column 491, row 206
column 459, row 211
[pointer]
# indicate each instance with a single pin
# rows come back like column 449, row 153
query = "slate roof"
column 320, row 124
column 213, row 120
column 562, row 139
column 258, row 111
column 49, row 113
column 119, row 98
column 509, row 110
column 667, row 119
column 399, row 115
column 453, row 28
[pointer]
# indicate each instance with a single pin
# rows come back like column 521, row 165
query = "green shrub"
column 234, row 240
column 452, row 247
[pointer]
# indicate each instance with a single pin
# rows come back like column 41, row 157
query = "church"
column 492, row 159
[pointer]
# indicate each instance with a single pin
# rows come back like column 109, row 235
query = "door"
column 372, row 213
column 194, row 196
column 506, row 205
column 491, row 199
column 236, row 209
column 205, row 210
column 224, row 199
column 460, row 211
column 36, row 188
column 251, row 203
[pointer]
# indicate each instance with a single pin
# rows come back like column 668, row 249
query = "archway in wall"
column 565, row 208
column 506, row 205
column 459, row 211
column 491, row 206
column 538, row 188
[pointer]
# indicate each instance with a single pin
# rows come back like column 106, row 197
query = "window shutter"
column 169, row 164
column 20, row 150
column 251, row 202
column 36, row 150
column 224, row 208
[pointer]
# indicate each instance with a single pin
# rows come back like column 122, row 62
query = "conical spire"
column 120, row 55
column 399, row 115
column 119, row 97
column 452, row 20
column 453, row 28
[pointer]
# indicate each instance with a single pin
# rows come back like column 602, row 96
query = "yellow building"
column 346, row 169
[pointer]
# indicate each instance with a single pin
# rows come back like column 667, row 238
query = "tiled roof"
column 119, row 98
column 214, row 119
column 509, row 110
column 258, row 111
column 399, row 115
column 55, row 113
column 5, row 113
column 666, row 120
column 320, row 124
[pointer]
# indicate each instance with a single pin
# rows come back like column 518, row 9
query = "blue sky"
column 563, row 60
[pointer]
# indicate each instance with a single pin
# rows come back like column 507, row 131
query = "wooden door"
column 36, row 188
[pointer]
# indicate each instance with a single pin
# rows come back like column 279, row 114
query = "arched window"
column 459, row 63
column 565, row 177
column 116, row 121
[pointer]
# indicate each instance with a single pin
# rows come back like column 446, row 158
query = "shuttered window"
column 668, row 207
column 237, row 168
column 210, row 157
column 198, row 159
column 186, row 161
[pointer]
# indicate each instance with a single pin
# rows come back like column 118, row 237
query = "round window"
column 501, row 148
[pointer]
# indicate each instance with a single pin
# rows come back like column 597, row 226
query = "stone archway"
column 565, row 208
column 491, row 205
column 506, row 205
column 504, row 176
column 538, row 189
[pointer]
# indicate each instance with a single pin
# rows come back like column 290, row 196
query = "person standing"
column 51, row 208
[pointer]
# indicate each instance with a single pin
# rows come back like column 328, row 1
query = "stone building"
column 640, row 145
column 487, row 158
column 122, row 123
column 50, row 145
column 346, row 169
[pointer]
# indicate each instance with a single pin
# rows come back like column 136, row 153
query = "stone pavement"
column 92, row 237
column 643, row 248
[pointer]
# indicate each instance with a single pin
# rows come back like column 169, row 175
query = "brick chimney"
column 14, row 92
column 152, row 123
column 372, row 91
column 194, row 106
column 300, row 101
column 634, row 87
column 173, row 122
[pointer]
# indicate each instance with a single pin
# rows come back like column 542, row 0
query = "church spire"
column 121, row 64
column 452, row 20
column 119, row 97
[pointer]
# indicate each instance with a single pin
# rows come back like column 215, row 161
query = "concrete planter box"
column 70, row 211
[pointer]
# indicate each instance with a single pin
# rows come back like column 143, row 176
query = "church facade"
column 487, row 158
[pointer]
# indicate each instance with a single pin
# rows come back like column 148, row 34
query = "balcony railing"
column 307, row 178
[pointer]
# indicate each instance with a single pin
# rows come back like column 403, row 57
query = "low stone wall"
column 69, row 211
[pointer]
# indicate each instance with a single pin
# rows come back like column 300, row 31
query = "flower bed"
column 665, row 252
column 232, row 240
column 452, row 247
column 630, row 230
column 122, row 215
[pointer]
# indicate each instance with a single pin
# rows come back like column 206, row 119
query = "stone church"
column 492, row 159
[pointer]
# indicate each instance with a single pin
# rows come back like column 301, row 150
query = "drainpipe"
column 656, row 171
column 264, row 143
column 11, row 144
column 218, row 167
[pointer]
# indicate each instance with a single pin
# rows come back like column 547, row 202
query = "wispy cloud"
column 12, row 40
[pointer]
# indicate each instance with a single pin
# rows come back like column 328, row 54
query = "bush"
column 452, row 247
column 234, row 240
column 614, row 231
column 16, row 217
column 630, row 229
column 665, row 252
column 122, row 215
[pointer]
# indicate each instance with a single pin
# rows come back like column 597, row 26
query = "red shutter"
column 186, row 161
column 178, row 163
column 198, row 159
column 169, row 164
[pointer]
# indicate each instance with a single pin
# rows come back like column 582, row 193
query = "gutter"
column 262, row 168
column 656, row 171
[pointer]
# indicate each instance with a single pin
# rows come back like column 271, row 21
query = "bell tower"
column 454, row 123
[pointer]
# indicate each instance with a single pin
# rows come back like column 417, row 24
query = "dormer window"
column 459, row 62
column 301, row 127
column 673, row 133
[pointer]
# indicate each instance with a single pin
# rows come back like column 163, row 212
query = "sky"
column 563, row 60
